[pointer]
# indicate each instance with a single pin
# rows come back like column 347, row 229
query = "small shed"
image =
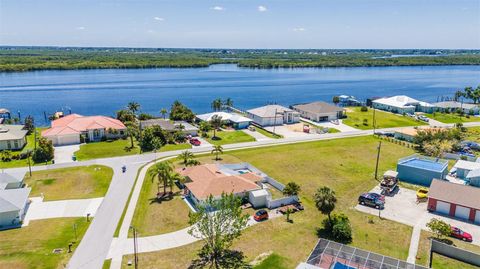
column 258, row 198
column 465, row 167
column 421, row 170
column 473, row 178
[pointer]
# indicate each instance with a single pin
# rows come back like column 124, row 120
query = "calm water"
column 105, row 91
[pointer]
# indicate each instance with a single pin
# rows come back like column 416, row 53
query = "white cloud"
column 80, row 28
column 299, row 29
column 158, row 18
column 262, row 8
column 218, row 8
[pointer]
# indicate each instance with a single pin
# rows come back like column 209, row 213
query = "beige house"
column 12, row 137
column 319, row 111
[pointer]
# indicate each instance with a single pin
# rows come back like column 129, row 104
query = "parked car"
column 252, row 128
column 372, row 199
column 460, row 234
column 195, row 142
column 422, row 193
column 385, row 133
column 261, row 215
column 423, row 118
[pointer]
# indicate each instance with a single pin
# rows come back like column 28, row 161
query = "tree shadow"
column 229, row 259
column 442, row 240
column 164, row 197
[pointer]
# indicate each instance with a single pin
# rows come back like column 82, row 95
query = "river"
column 104, row 91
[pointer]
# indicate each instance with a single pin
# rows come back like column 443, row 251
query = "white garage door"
column 462, row 212
column 443, row 207
column 477, row 217
column 68, row 140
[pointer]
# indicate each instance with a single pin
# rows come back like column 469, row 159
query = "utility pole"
column 75, row 231
column 135, row 247
column 378, row 158
column 374, row 120
column 29, row 163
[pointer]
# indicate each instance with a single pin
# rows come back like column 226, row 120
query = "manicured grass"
column 105, row 149
column 440, row 261
column 345, row 165
column 29, row 146
column 229, row 137
column 267, row 133
column 273, row 261
column 451, row 117
column 171, row 147
column 152, row 217
column 32, row 246
column 355, row 118
column 106, row 264
column 71, row 183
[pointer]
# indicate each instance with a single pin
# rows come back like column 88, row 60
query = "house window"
column 15, row 143
column 96, row 133
column 9, row 144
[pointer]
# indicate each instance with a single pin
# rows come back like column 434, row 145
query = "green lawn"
column 229, row 137
column 272, row 261
column 152, row 217
column 451, row 117
column 71, row 183
column 29, row 146
column 355, row 118
column 267, row 133
column 440, row 261
column 114, row 148
column 32, row 246
column 345, row 165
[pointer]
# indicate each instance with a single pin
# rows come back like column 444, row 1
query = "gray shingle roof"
column 455, row 193
column 6, row 178
column 14, row 199
column 318, row 107
column 268, row 111
column 12, row 132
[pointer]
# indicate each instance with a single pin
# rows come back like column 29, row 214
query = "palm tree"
column 215, row 122
column 133, row 106
column 205, row 127
column 132, row 130
column 336, row 100
column 458, row 94
column 186, row 156
column 164, row 113
column 468, row 92
column 476, row 95
column 174, row 176
column 291, row 189
column 217, row 149
column 325, row 201
column 217, row 104
column 162, row 171
column 228, row 102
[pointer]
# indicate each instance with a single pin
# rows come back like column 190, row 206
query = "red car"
column 195, row 142
column 458, row 233
column 261, row 215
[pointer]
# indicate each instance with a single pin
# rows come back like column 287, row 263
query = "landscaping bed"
column 345, row 165
column 70, row 183
column 363, row 120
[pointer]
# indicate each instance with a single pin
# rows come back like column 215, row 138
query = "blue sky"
column 242, row 23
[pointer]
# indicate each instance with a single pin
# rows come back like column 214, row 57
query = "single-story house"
column 455, row 200
column 409, row 133
column 273, row 115
column 171, row 126
column 348, row 100
column 473, row 178
column 13, row 203
column 421, row 170
column 319, row 111
column 69, row 129
column 235, row 120
column 463, row 168
column 402, row 104
column 12, row 137
column 11, row 180
column 454, row 105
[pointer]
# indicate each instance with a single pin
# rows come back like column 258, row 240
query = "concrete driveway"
column 64, row 154
column 258, row 136
column 403, row 208
column 38, row 209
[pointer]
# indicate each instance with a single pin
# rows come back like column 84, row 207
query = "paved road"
column 94, row 246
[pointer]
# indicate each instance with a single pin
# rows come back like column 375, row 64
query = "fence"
column 275, row 183
column 454, row 156
column 454, row 253
column 282, row 201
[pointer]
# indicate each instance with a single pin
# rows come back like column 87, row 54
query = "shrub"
column 365, row 122
column 364, row 109
column 340, row 229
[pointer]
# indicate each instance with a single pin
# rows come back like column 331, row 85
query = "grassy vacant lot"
column 451, row 117
column 345, row 165
column 32, row 246
column 440, row 261
column 355, row 118
column 152, row 217
column 114, row 148
column 229, row 137
column 29, row 146
column 267, row 133
column 71, row 183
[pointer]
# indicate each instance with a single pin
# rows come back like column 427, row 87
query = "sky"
column 295, row 24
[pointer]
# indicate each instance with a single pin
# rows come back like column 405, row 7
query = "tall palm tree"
column 216, row 123
column 217, row 149
column 132, row 130
column 162, row 171
column 174, row 176
column 164, row 113
column 217, row 104
column 228, row 102
column 133, row 106
column 325, row 201
column 458, row 95
column 186, row 156
column 468, row 92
